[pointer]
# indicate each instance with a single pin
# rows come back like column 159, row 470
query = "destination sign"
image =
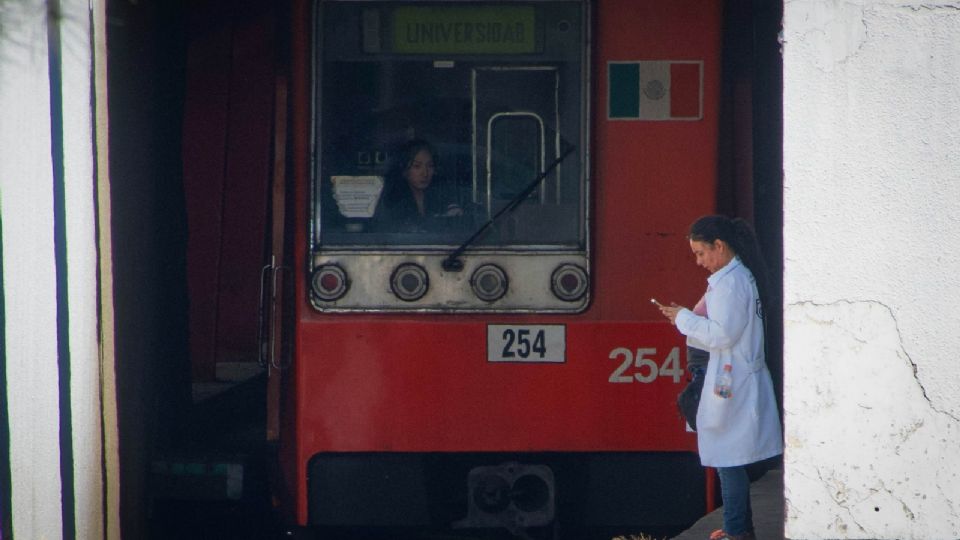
column 464, row 30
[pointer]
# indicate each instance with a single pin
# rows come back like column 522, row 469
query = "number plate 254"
column 526, row 343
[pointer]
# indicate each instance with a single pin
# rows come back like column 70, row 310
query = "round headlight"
column 569, row 282
column 329, row 282
column 409, row 282
column 489, row 282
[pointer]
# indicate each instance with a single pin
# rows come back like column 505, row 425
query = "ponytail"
column 748, row 249
column 739, row 235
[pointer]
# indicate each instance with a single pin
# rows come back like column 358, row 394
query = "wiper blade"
column 453, row 263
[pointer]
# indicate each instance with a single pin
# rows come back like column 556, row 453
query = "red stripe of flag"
column 685, row 90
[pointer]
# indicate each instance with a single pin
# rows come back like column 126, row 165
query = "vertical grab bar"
column 265, row 351
column 275, row 363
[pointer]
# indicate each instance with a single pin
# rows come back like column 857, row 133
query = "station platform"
column 766, row 500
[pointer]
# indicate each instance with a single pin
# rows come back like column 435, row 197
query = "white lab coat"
column 745, row 427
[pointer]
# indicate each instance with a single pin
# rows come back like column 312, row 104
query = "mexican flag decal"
column 655, row 90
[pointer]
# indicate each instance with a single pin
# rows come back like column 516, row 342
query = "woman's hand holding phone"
column 670, row 311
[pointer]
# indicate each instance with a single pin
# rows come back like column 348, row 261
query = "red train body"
column 555, row 401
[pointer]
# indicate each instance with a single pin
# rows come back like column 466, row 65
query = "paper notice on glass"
column 357, row 196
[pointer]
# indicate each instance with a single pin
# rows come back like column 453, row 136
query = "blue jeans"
column 735, row 490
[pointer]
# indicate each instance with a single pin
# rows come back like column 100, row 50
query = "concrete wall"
column 872, row 209
column 70, row 238
column 59, row 427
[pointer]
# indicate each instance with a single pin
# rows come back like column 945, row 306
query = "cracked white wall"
column 872, row 248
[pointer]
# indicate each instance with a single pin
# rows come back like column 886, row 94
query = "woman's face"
column 712, row 256
column 419, row 173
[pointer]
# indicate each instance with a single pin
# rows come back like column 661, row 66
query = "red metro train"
column 502, row 368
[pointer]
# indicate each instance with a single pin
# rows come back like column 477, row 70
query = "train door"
column 275, row 289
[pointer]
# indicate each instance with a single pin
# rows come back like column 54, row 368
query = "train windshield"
column 434, row 121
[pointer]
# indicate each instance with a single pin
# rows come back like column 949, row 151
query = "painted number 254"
column 642, row 365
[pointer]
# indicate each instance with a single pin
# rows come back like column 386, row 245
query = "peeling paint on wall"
column 868, row 455
column 831, row 31
column 871, row 221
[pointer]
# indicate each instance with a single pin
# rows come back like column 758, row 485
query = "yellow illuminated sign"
column 464, row 30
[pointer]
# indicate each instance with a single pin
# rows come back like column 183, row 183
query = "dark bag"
column 689, row 399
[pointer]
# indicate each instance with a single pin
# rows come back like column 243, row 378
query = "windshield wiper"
column 453, row 263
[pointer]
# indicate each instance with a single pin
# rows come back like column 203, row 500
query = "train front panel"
column 501, row 365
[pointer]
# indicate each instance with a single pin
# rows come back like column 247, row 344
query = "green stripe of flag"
column 623, row 90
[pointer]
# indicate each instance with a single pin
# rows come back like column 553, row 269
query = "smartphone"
column 654, row 301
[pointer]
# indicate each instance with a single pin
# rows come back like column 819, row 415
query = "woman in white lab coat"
column 737, row 422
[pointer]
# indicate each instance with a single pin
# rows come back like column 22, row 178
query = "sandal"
column 720, row 534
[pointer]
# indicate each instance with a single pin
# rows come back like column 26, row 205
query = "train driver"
column 410, row 203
